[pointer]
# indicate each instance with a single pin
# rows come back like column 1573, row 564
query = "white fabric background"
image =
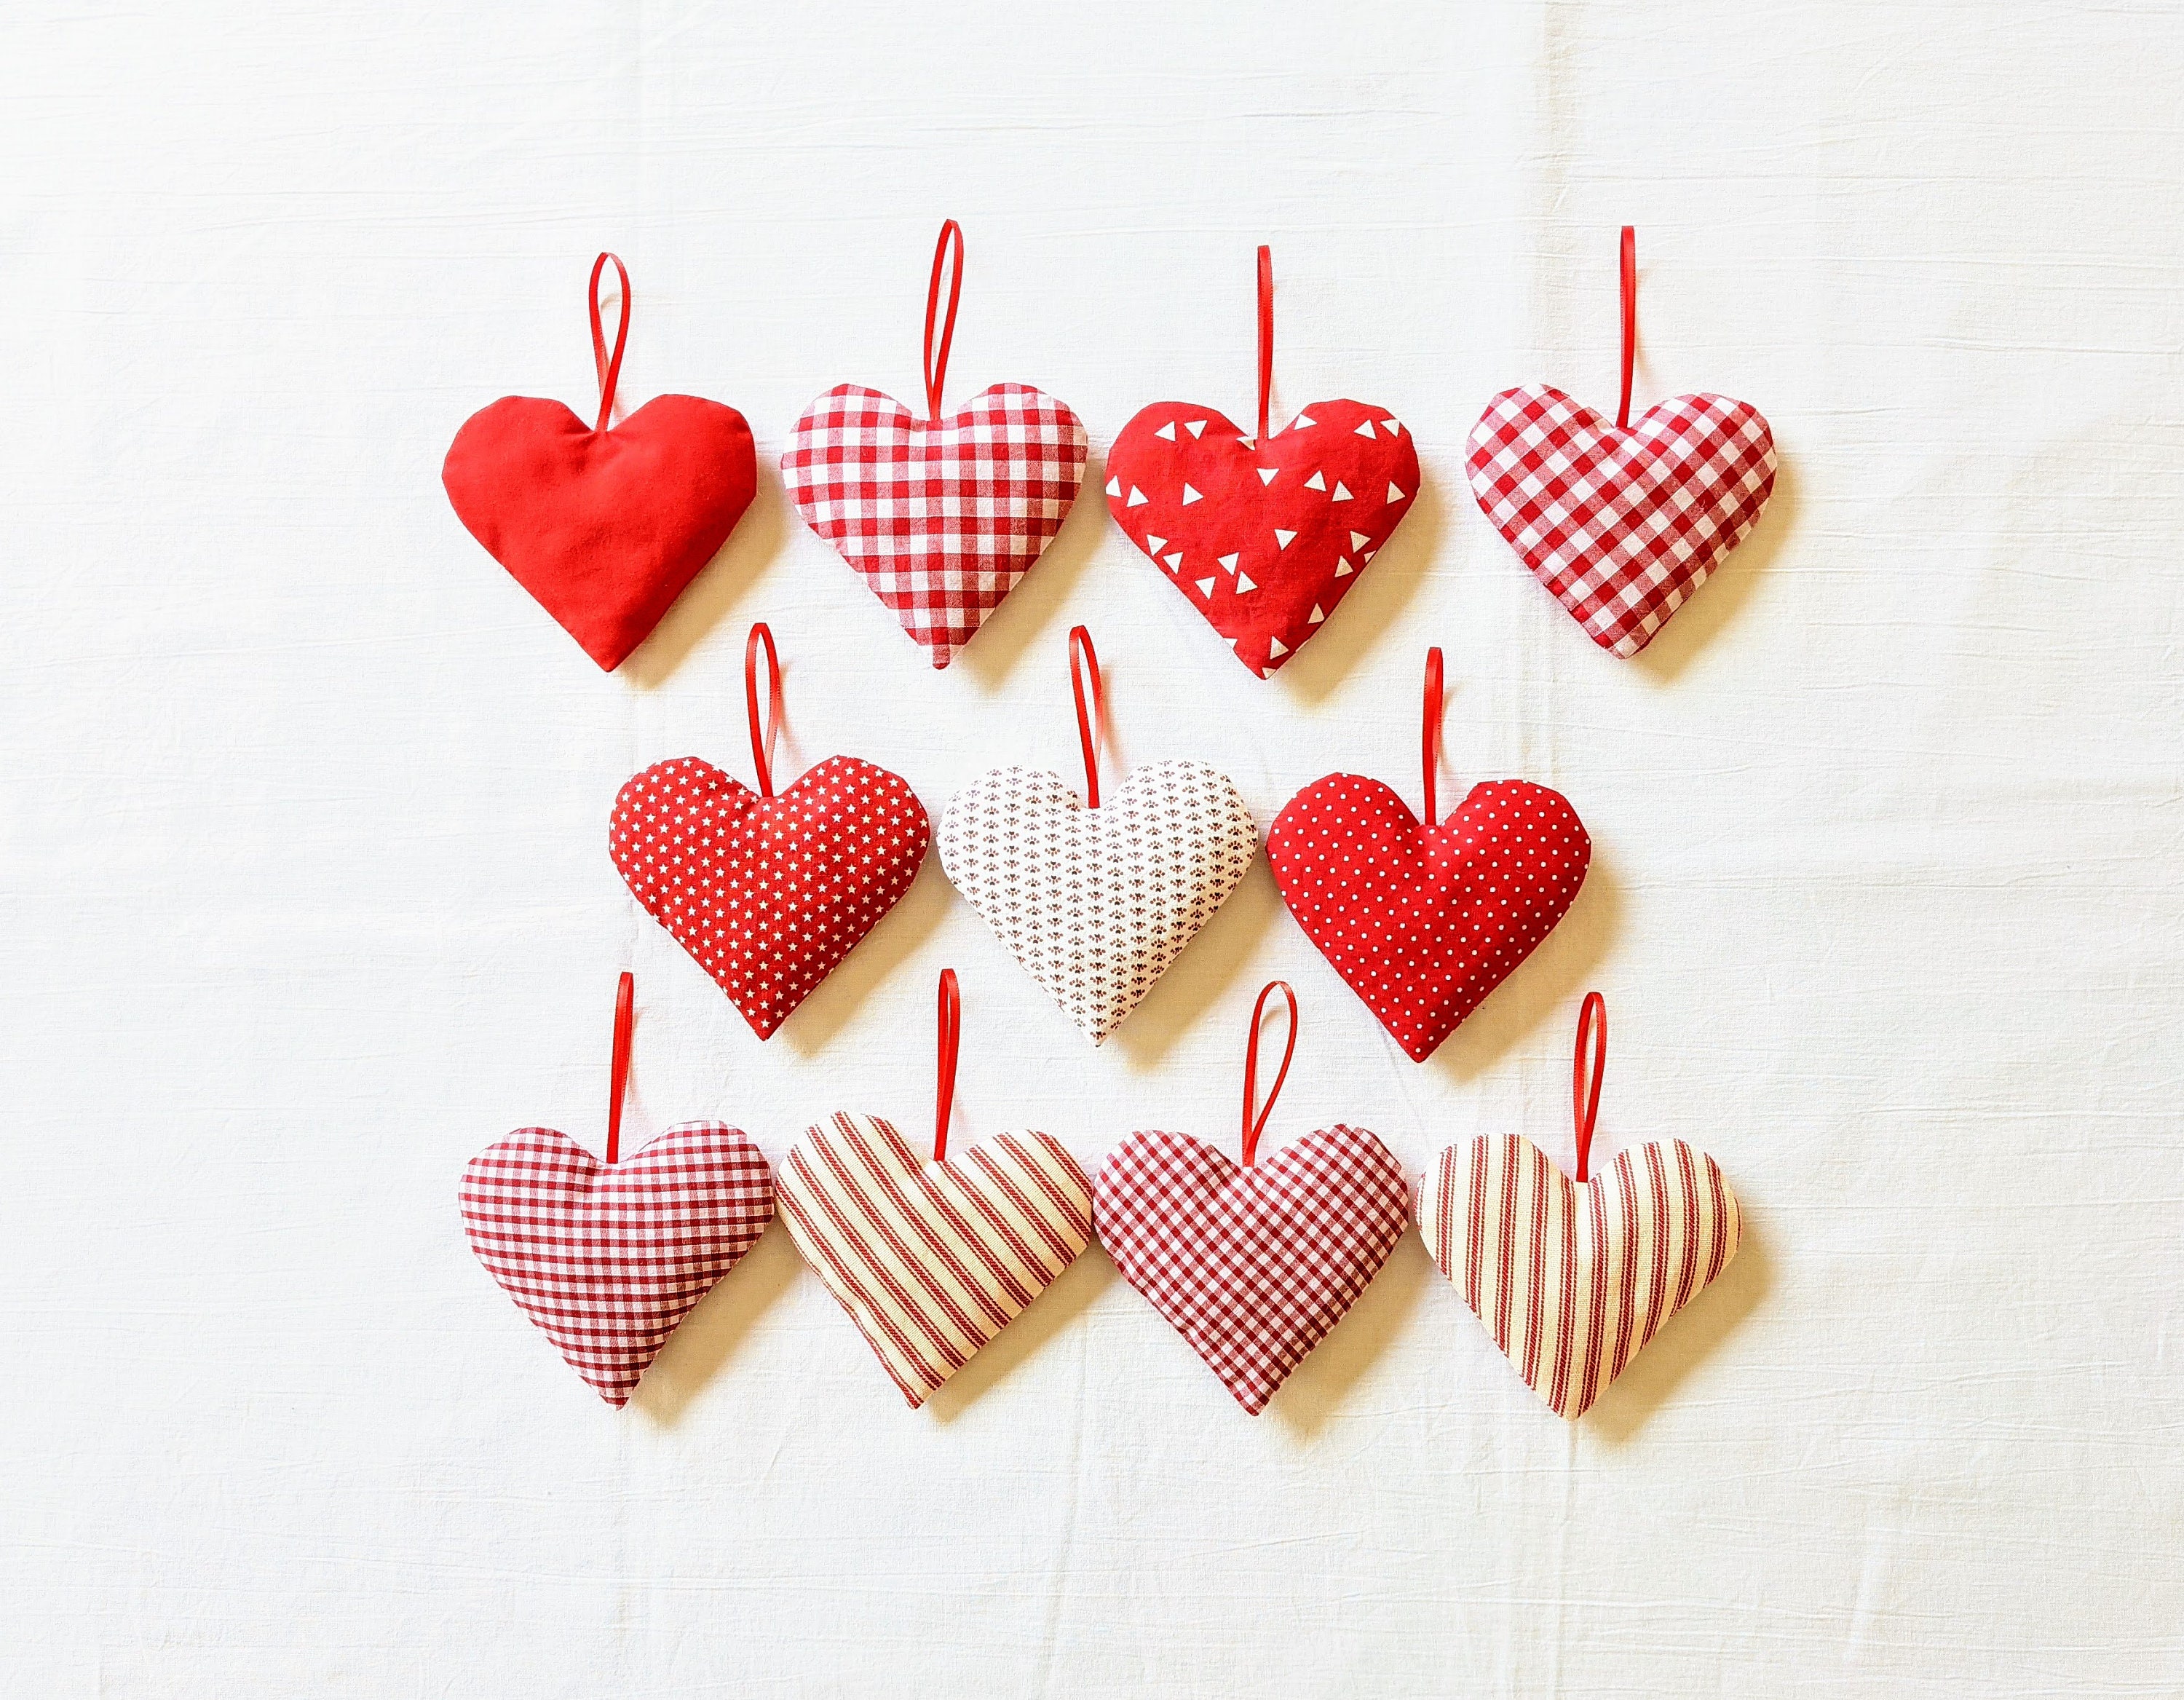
column 308, row 899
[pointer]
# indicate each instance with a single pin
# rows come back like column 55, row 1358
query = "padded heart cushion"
column 604, row 528
column 1264, row 539
column 1424, row 922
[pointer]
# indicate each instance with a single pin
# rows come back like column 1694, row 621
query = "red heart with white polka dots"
column 1262, row 538
column 1424, row 921
column 768, row 894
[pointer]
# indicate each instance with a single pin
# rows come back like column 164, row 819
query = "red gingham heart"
column 1263, row 539
column 1424, row 922
column 942, row 517
column 768, row 894
column 1621, row 525
column 1251, row 1266
column 609, row 1260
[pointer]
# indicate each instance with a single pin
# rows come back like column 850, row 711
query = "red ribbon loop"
column 1430, row 741
column 1252, row 1128
column 618, row 1071
column 1585, row 1097
column 609, row 370
column 761, row 638
column 1266, row 336
column 1630, row 321
column 951, row 1039
column 1084, row 659
column 936, row 369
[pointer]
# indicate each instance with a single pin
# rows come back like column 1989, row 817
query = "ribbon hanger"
column 1630, row 321
column 610, row 370
column 1252, row 1128
column 1091, row 703
column 618, row 1070
column 1430, row 741
column 936, row 369
column 761, row 639
column 950, row 1031
column 1266, row 337
column 1585, row 1097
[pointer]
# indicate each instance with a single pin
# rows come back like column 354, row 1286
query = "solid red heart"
column 1424, row 922
column 604, row 528
column 1264, row 539
column 768, row 894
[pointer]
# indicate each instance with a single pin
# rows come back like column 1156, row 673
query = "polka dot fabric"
column 768, row 894
column 1424, row 922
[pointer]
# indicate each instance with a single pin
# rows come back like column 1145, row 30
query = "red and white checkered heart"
column 931, row 1260
column 1572, row 1280
column 1251, row 1266
column 768, row 894
column 1263, row 539
column 1097, row 902
column 941, row 517
column 608, row 1261
column 1424, row 921
column 1621, row 525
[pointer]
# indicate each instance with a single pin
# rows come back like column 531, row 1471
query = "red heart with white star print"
column 1264, row 539
column 768, row 894
column 1424, row 921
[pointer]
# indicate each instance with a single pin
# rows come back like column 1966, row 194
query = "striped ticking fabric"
column 609, row 1261
column 1251, row 1266
column 1573, row 1280
column 1620, row 526
column 931, row 1260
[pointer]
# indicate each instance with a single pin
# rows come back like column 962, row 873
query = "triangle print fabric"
column 932, row 1260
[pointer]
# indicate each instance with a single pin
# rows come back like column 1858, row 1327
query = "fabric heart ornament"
column 1262, row 535
column 768, row 894
column 1096, row 898
column 940, row 516
column 1251, row 1266
column 605, row 528
column 608, row 1258
column 1423, row 920
column 1621, row 523
column 932, row 1260
column 1573, row 1277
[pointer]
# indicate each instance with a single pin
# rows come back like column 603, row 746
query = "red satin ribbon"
column 1429, row 740
column 1084, row 659
column 952, row 1037
column 609, row 370
column 761, row 638
column 1266, row 336
column 1585, row 1097
column 618, row 1071
column 1630, row 321
column 936, row 369
column 1252, row 1128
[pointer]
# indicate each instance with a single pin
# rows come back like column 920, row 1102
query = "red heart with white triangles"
column 1264, row 539
column 1252, row 1266
column 1621, row 525
column 768, row 894
column 608, row 1259
column 1424, row 921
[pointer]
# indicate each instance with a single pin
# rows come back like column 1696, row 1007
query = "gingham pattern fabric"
column 609, row 1261
column 1097, row 902
column 768, row 894
column 1422, row 922
column 1251, row 1266
column 1571, row 1281
column 1621, row 525
column 931, row 1260
column 941, row 518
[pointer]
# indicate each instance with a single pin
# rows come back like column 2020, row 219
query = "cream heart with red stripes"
column 1572, row 1280
column 1620, row 525
column 932, row 1259
column 1097, row 902
column 607, row 1260
column 1251, row 1266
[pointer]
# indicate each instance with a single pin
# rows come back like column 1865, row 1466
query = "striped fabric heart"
column 1572, row 1280
column 609, row 1258
column 932, row 1260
